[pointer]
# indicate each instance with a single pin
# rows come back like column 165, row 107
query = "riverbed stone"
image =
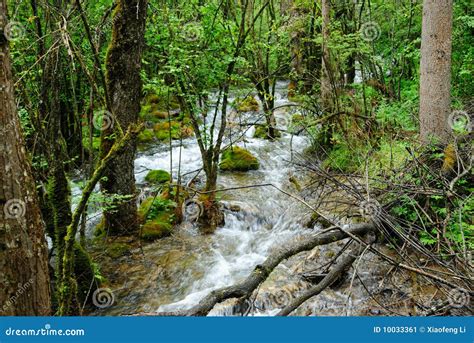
column 238, row 159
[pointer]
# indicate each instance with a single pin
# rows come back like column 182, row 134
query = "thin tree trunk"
column 435, row 70
column 326, row 59
column 124, row 86
column 24, row 278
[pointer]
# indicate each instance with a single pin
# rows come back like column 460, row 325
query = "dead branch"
column 341, row 267
column 261, row 272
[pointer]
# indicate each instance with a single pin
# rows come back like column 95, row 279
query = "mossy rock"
column 117, row 249
column 238, row 159
column 146, row 136
column 249, row 104
column 178, row 130
column 157, row 176
column 158, row 217
column 162, row 103
column 261, row 131
column 154, row 230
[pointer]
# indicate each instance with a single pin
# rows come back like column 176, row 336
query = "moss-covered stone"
column 238, row 159
column 162, row 103
column 261, row 131
column 249, row 104
column 178, row 130
column 158, row 218
column 157, row 176
column 146, row 136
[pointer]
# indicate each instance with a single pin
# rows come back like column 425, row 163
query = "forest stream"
column 174, row 273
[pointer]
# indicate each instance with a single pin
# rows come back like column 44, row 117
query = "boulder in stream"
column 238, row 159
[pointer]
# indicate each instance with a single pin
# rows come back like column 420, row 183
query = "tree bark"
column 435, row 70
column 124, row 86
column 326, row 98
column 342, row 266
column 24, row 277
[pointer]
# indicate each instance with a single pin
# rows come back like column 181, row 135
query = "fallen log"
column 339, row 269
column 261, row 272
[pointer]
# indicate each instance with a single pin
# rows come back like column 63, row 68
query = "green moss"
column 99, row 230
column 261, row 131
column 157, row 176
column 116, row 249
column 178, row 130
column 249, row 104
column 155, row 230
column 146, row 136
column 297, row 119
column 162, row 103
column 84, row 273
column 238, row 159
column 157, row 214
column 353, row 157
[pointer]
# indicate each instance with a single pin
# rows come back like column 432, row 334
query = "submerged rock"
column 238, row 159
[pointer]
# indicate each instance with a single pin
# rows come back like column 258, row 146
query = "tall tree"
column 24, row 277
column 124, row 87
column 435, row 70
column 326, row 59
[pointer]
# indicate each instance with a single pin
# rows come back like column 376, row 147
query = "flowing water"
column 174, row 273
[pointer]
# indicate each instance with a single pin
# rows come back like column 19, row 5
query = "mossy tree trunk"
column 24, row 277
column 124, row 86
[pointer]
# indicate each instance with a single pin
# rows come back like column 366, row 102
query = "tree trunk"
column 124, row 86
column 24, row 278
column 435, row 70
column 326, row 60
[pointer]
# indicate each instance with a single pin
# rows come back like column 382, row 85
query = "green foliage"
column 158, row 216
